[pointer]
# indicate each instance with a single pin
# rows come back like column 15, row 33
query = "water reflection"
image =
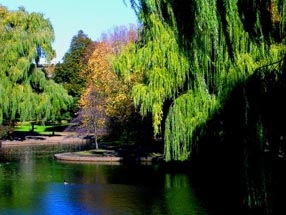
column 35, row 186
column 179, row 195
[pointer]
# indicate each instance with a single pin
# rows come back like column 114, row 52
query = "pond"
column 35, row 185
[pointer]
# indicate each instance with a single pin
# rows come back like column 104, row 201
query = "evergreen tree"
column 25, row 91
column 74, row 61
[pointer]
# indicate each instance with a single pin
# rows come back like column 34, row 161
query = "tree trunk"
column 95, row 137
column 95, row 141
column 33, row 127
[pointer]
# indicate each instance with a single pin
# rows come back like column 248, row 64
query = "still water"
column 31, row 185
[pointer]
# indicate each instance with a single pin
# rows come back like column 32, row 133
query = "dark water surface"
column 33, row 185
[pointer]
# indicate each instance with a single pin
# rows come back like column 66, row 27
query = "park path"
column 60, row 138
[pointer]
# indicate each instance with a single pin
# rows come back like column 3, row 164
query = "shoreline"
column 75, row 157
column 109, row 156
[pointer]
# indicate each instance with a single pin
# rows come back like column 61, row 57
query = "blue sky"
column 94, row 17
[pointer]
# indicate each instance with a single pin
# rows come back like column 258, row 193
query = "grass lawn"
column 99, row 152
column 125, row 152
column 27, row 128
column 40, row 129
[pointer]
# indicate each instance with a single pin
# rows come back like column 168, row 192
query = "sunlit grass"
column 37, row 128
column 92, row 152
column 40, row 129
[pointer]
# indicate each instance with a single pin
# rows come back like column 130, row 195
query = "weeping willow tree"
column 191, row 56
column 25, row 91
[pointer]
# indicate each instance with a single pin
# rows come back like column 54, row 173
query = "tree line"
column 83, row 88
column 178, row 68
column 103, row 103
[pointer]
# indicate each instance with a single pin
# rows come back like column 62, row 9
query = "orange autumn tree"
column 94, row 100
column 106, row 96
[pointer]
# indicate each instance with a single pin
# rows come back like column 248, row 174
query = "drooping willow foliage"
column 25, row 91
column 191, row 56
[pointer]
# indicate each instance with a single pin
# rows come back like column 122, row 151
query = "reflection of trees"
column 118, row 189
column 18, row 185
column 179, row 195
column 99, row 189
column 141, row 190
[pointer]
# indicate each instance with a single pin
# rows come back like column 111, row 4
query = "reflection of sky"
column 63, row 199
column 98, row 199
column 112, row 199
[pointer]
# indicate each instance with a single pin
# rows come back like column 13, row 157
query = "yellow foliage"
column 105, row 95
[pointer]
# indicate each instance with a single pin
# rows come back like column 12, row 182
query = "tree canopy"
column 74, row 61
column 191, row 56
column 106, row 96
column 25, row 91
column 70, row 73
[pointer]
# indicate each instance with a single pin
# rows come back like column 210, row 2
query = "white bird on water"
column 65, row 182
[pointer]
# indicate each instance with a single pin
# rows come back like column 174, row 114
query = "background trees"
column 25, row 91
column 106, row 104
column 75, row 60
